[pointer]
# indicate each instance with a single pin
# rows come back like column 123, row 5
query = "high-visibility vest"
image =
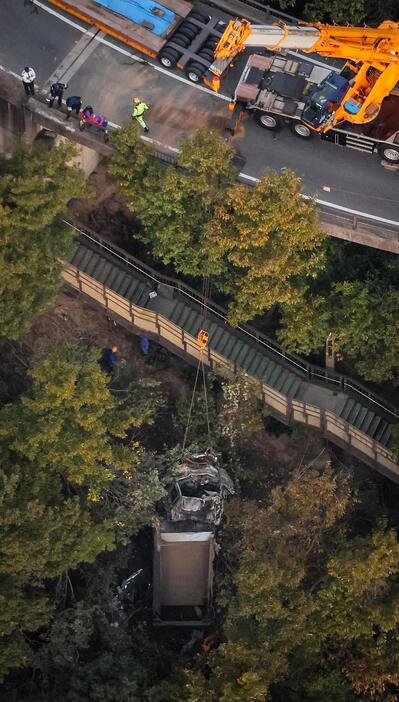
column 139, row 109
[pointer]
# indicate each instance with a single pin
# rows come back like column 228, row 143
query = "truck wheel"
column 194, row 72
column 187, row 32
column 191, row 26
column 301, row 130
column 389, row 152
column 169, row 58
column 201, row 18
column 206, row 54
column 211, row 44
column 180, row 40
column 268, row 120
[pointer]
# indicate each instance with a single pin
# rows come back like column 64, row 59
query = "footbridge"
column 292, row 389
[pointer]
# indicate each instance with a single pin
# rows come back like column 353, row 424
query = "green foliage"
column 65, row 423
column 369, row 328
column 362, row 317
column 70, row 486
column 337, row 11
column 174, row 204
column 240, row 415
column 82, row 659
column 310, row 613
column 267, row 243
column 35, row 187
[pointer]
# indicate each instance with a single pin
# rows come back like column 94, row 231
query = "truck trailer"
column 174, row 32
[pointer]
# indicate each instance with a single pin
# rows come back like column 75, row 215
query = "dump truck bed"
column 182, row 577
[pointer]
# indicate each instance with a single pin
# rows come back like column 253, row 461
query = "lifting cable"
column 202, row 341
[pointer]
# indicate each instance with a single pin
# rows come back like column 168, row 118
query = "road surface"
column 108, row 74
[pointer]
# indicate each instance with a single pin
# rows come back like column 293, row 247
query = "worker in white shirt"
column 28, row 76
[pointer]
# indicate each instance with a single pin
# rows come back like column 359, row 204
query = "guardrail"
column 171, row 335
column 308, row 370
column 341, row 222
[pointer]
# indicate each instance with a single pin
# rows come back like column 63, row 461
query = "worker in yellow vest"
column 139, row 108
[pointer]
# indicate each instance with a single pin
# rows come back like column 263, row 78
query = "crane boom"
column 372, row 71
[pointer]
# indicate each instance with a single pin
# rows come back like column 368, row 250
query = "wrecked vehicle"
column 184, row 542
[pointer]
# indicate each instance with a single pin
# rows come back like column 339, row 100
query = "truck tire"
column 389, row 152
column 194, row 72
column 301, row 130
column 168, row 58
column 187, row 32
column 211, row 43
column 206, row 54
column 197, row 16
column 181, row 40
column 269, row 121
column 190, row 25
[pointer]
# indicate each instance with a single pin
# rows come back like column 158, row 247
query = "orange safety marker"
column 202, row 339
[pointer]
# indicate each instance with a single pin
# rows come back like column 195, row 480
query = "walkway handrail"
column 296, row 363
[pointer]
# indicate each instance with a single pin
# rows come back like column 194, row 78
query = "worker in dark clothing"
column 28, row 76
column 56, row 93
column 73, row 104
column 139, row 108
column 110, row 358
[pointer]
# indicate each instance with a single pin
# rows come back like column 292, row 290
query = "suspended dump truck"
column 184, row 542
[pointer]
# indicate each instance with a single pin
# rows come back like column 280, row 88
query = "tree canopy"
column 35, row 187
column 356, row 299
column 311, row 612
column 175, row 203
column 267, row 241
column 260, row 245
column 65, row 459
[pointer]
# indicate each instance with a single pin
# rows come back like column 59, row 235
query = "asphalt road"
column 108, row 75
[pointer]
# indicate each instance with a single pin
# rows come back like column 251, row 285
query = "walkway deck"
column 292, row 389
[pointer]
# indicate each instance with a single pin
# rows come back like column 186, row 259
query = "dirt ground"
column 72, row 320
column 104, row 210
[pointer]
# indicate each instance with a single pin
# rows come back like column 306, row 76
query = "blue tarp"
column 141, row 11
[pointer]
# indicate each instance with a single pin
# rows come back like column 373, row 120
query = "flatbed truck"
column 177, row 34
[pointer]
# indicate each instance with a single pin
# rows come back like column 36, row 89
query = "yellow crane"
column 372, row 56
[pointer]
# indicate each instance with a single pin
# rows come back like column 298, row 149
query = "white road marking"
column 332, row 205
column 199, row 87
column 160, row 69
column 134, row 57
column 73, row 60
column 64, row 19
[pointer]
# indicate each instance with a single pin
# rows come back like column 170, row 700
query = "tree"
column 336, row 11
column 65, row 459
column 361, row 315
column 240, row 415
column 175, row 204
column 311, row 612
column 368, row 328
column 267, row 244
column 35, row 187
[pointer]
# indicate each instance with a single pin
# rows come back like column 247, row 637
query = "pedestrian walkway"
column 292, row 389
